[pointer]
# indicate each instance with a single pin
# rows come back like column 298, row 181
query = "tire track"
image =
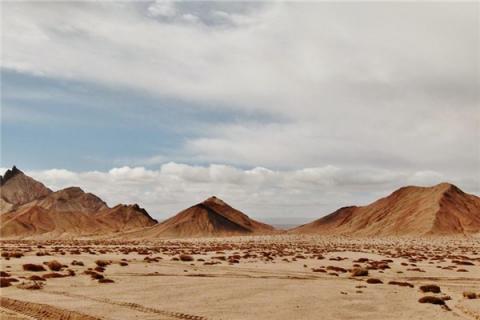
column 468, row 312
column 42, row 311
column 133, row 306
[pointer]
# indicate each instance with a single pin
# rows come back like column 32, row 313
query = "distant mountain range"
column 28, row 209
column 31, row 210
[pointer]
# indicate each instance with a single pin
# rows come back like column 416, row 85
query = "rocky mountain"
column 212, row 217
column 30, row 210
column 443, row 209
column 16, row 189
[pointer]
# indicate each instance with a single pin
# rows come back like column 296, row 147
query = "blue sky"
column 282, row 109
column 81, row 126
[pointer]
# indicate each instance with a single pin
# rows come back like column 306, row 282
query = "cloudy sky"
column 284, row 110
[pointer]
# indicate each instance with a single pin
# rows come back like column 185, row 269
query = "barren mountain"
column 65, row 213
column 439, row 210
column 16, row 188
column 212, row 217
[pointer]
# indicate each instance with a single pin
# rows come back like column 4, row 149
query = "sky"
column 285, row 110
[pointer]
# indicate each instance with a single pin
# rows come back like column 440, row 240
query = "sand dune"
column 439, row 210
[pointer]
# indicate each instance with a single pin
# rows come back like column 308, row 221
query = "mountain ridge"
column 442, row 209
column 38, row 212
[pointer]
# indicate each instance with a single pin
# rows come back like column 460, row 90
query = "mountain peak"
column 441, row 209
column 10, row 173
column 215, row 200
column 17, row 188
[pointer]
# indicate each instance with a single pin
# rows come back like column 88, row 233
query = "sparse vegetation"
column 33, row 267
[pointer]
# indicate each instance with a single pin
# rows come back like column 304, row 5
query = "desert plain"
column 247, row 277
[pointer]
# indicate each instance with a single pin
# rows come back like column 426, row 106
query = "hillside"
column 439, row 210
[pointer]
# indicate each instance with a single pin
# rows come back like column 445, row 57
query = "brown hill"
column 16, row 188
column 72, row 199
column 66, row 213
column 212, row 217
column 439, row 210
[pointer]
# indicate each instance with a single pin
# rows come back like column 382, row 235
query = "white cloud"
column 164, row 8
column 335, row 87
column 260, row 192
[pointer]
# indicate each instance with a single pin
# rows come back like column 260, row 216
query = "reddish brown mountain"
column 69, row 212
column 212, row 217
column 16, row 188
column 439, row 210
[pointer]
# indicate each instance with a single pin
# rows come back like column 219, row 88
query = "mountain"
column 16, row 188
column 212, row 217
column 443, row 209
column 72, row 199
column 66, row 213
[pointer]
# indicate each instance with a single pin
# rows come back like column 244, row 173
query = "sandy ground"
column 275, row 277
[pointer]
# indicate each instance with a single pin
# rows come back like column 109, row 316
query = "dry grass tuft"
column 103, row 263
column 31, row 285
column 36, row 278
column 77, row 263
column 4, row 274
column 53, row 275
column 33, row 267
column 432, row 300
column 470, row 295
column 54, row 265
column 5, row 282
column 430, row 288
column 374, row 281
column 401, row 284
column 359, row 272
column 186, row 257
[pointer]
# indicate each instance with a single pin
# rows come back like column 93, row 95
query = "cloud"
column 326, row 92
column 260, row 192
column 162, row 8
column 382, row 84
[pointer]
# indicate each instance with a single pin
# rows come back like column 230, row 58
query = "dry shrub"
column 4, row 274
column 36, row 278
column 33, row 267
column 470, row 295
column 374, row 281
column 54, row 265
column 432, row 300
column 337, row 269
column 15, row 254
column 430, row 288
column 31, row 285
column 94, row 275
column 53, row 275
column 186, row 257
column 77, row 263
column 5, row 282
column 103, row 263
column 99, row 269
column 401, row 284
column 463, row 263
column 359, row 272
